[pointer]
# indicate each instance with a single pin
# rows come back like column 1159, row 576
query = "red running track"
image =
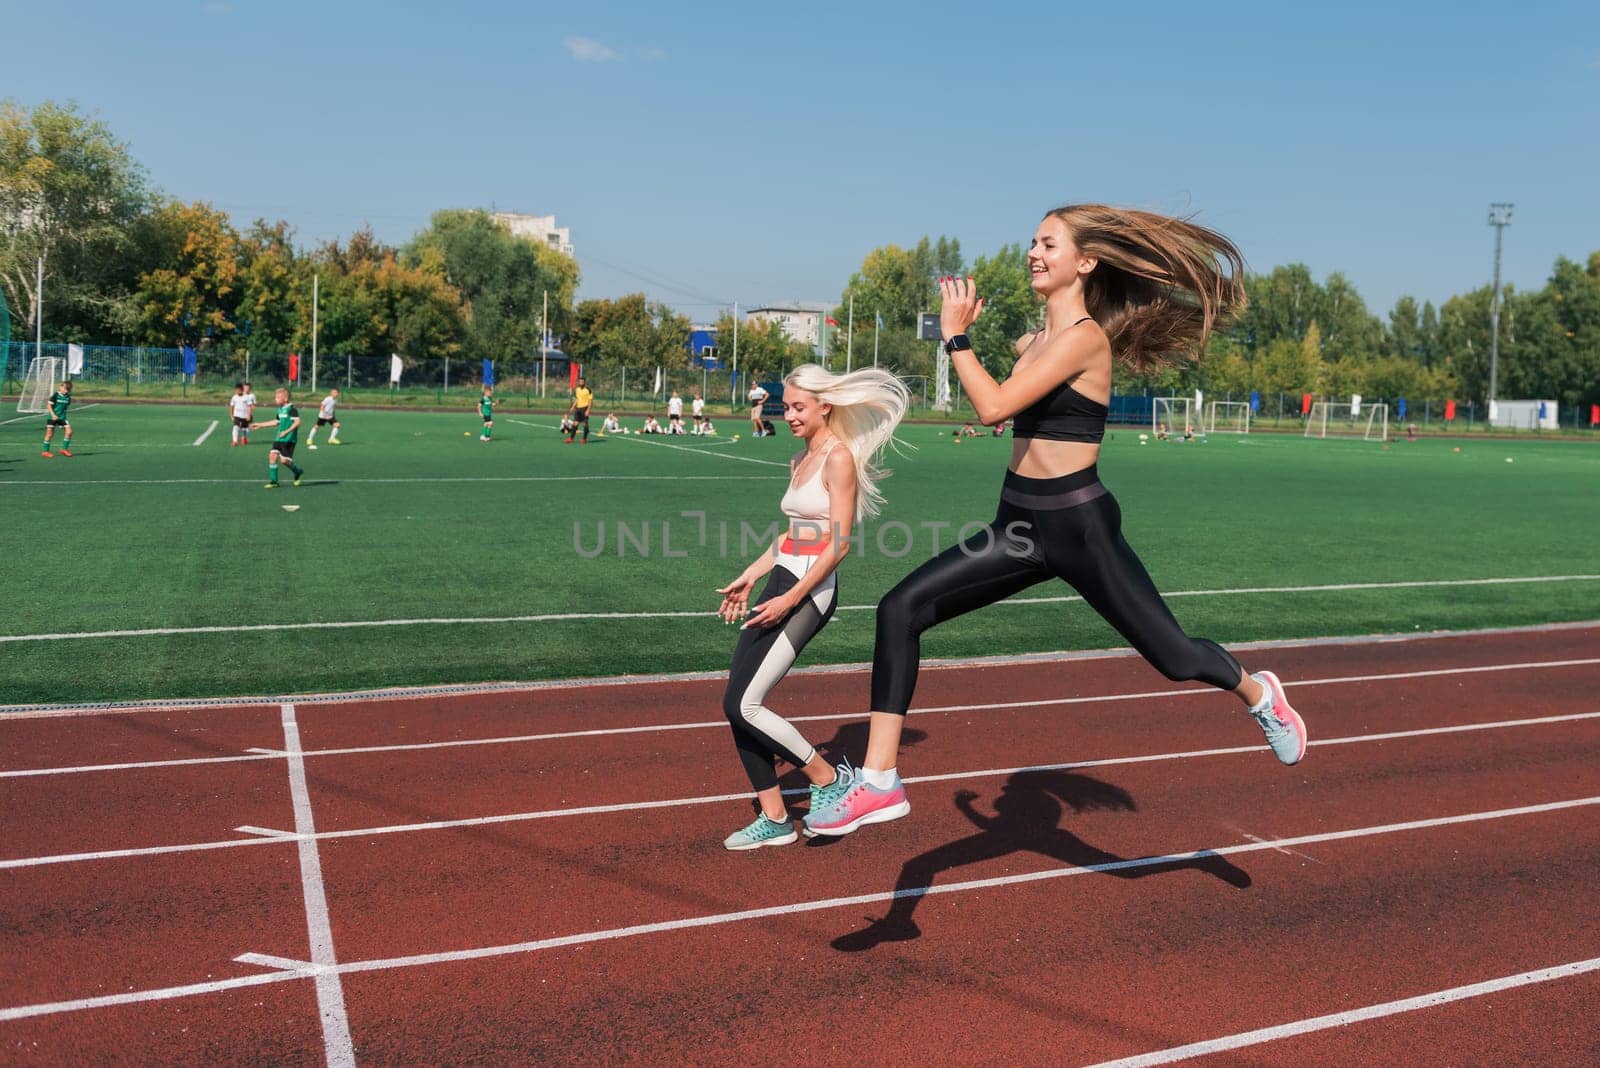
column 466, row 913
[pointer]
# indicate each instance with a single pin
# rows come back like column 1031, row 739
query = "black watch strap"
column 957, row 343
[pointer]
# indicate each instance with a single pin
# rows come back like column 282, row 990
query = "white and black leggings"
column 762, row 657
column 1068, row 528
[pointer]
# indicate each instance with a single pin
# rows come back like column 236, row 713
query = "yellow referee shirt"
column 582, row 397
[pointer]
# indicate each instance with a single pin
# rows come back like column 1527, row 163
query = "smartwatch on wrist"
column 958, row 343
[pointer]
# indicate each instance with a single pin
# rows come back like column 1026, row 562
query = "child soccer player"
column 250, row 413
column 698, row 410
column 486, row 409
column 675, row 413
column 239, row 410
column 325, row 416
column 288, row 424
column 60, row 401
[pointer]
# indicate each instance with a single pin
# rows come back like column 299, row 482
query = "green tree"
column 192, row 300
column 270, row 283
column 1010, row 307
column 70, row 194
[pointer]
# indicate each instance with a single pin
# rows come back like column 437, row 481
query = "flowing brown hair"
column 1161, row 285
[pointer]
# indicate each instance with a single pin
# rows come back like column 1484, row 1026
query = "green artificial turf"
column 415, row 519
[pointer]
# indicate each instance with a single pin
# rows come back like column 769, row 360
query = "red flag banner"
column 294, row 367
column 831, row 321
column 573, row 371
column 1594, row 415
column 1449, row 411
column 1305, row 404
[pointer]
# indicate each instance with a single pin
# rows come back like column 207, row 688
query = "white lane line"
column 1342, row 1019
column 380, row 481
column 795, row 908
column 201, row 440
column 595, row 732
column 561, row 617
column 639, row 440
column 262, row 835
column 956, row 663
column 40, row 415
column 330, row 989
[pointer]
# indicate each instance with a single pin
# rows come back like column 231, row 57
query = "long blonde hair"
column 867, row 405
column 1162, row 284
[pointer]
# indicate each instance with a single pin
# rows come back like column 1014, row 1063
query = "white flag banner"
column 394, row 370
column 658, row 382
column 1355, row 405
column 74, row 359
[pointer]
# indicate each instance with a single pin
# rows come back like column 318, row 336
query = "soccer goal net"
column 1172, row 415
column 1329, row 419
column 44, row 374
column 1228, row 417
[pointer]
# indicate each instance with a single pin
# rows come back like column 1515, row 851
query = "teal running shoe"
column 1285, row 730
column 761, row 832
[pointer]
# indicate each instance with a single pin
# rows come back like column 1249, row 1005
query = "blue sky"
column 755, row 152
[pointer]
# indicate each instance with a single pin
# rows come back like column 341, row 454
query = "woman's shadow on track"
column 1027, row 819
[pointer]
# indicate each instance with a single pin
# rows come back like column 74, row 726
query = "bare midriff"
column 1043, row 458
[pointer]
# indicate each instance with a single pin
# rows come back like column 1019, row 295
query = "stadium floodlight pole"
column 733, row 386
column 38, row 317
column 315, row 293
column 1499, row 218
column 849, row 334
column 544, row 340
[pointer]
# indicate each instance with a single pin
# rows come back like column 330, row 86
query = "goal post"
column 1228, row 417
column 1176, row 412
column 41, row 379
column 1336, row 419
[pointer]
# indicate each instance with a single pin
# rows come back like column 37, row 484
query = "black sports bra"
column 1063, row 414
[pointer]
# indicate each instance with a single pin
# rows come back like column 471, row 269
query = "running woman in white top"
column 239, row 406
column 758, row 397
column 845, row 420
column 698, row 410
column 324, row 417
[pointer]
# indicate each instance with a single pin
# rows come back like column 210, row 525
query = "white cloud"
column 588, row 50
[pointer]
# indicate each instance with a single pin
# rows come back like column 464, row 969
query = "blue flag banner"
column 190, row 363
column 488, row 372
column 1401, row 407
column 1543, row 412
column 1255, row 400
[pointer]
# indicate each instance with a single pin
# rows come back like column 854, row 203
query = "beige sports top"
column 809, row 500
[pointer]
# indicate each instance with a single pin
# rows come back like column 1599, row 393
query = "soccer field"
column 153, row 564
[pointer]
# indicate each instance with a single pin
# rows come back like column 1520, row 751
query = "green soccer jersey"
column 288, row 433
column 59, row 403
column 485, row 406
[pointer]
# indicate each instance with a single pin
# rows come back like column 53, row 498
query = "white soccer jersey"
column 239, row 404
column 699, row 406
column 675, row 406
column 326, row 411
column 251, row 398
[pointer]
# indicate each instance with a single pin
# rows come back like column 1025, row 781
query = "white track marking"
column 792, row 909
column 640, row 439
column 261, row 835
column 563, row 617
column 958, row 663
column 1343, row 1019
column 650, row 728
column 378, row 481
column 330, row 990
column 201, row 440
column 38, row 415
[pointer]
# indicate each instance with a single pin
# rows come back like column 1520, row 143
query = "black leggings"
column 1069, row 528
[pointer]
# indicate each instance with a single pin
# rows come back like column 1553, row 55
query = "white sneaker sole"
column 784, row 839
column 883, row 815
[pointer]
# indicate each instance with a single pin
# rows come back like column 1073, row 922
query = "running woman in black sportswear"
column 1133, row 285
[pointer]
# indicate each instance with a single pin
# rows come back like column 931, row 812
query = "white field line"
column 201, row 440
column 1344, row 1019
column 311, row 970
column 640, row 439
column 39, row 415
column 375, row 481
column 597, row 732
column 330, row 990
column 567, row 617
column 269, row 835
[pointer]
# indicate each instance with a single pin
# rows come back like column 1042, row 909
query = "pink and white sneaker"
column 860, row 804
column 1285, row 730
